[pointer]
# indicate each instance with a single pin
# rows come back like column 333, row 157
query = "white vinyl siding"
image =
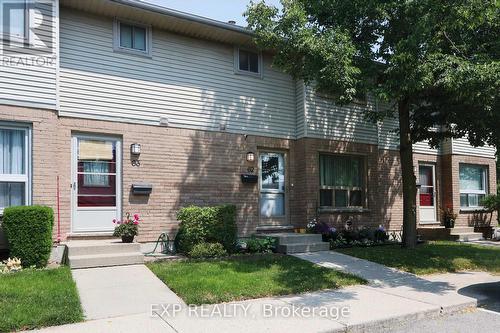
column 325, row 119
column 191, row 82
column 463, row 147
column 27, row 77
column 300, row 126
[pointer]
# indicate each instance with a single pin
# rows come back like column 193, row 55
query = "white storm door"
column 96, row 183
column 427, row 194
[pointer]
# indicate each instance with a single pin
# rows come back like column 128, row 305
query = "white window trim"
column 27, row 24
column 116, row 38
column 485, row 184
column 237, row 69
column 26, row 178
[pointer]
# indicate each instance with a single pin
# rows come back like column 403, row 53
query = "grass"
column 38, row 298
column 432, row 257
column 246, row 277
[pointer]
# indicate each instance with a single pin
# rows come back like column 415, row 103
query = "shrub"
column 29, row 232
column 381, row 235
column 365, row 233
column 261, row 245
column 207, row 250
column 206, row 225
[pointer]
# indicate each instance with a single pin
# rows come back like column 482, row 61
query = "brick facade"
column 200, row 167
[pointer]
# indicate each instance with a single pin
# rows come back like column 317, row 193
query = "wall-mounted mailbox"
column 142, row 189
column 249, row 178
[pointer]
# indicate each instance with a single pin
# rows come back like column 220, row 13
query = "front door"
column 427, row 195
column 272, row 187
column 96, row 180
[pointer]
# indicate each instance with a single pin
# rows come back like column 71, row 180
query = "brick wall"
column 198, row 167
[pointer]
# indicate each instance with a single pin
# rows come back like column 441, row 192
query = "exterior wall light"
column 250, row 156
column 135, row 149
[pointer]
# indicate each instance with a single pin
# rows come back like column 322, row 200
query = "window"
column 248, row 62
column 14, row 167
column 341, row 181
column 14, row 20
column 473, row 185
column 131, row 37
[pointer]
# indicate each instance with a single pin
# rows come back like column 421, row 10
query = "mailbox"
column 142, row 189
column 249, row 178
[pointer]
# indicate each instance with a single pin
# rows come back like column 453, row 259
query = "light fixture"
column 135, row 149
column 250, row 156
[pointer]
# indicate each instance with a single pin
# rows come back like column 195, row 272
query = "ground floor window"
column 341, row 181
column 473, row 185
column 14, row 166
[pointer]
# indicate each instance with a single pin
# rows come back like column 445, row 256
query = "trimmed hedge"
column 207, row 250
column 206, row 225
column 29, row 232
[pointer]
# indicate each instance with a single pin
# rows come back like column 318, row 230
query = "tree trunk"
column 408, row 176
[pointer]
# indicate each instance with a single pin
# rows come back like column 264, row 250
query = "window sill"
column 344, row 210
column 133, row 52
column 472, row 210
column 248, row 73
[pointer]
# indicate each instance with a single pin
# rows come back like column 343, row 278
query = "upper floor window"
column 132, row 37
column 14, row 166
column 341, row 181
column 248, row 62
column 473, row 185
column 14, row 18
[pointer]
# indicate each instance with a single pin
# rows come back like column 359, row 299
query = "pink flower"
column 136, row 222
column 136, row 217
column 114, row 220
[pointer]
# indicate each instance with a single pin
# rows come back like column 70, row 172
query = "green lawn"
column 432, row 257
column 38, row 298
column 245, row 277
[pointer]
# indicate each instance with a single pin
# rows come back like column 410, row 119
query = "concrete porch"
column 102, row 253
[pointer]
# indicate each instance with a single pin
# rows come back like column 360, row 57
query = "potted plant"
column 449, row 217
column 127, row 229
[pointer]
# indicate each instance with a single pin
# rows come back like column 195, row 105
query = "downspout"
column 58, row 214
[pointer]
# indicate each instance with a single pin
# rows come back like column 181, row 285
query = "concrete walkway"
column 119, row 291
column 121, row 299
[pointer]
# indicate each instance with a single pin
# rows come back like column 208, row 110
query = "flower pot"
column 450, row 223
column 127, row 239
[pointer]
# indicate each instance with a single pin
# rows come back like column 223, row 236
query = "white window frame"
column 25, row 178
column 116, row 38
column 27, row 23
column 237, row 69
column 480, row 192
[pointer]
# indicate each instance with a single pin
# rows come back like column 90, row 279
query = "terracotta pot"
column 127, row 239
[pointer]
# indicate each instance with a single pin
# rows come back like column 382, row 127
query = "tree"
column 437, row 61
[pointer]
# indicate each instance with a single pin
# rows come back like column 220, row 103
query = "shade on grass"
column 432, row 257
column 238, row 278
column 38, row 298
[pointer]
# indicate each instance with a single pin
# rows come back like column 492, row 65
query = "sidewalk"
column 391, row 296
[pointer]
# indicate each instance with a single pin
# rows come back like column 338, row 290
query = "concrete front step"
column 461, row 230
column 78, row 248
column 303, row 247
column 104, row 260
column 272, row 229
column 465, row 237
column 101, row 253
column 292, row 238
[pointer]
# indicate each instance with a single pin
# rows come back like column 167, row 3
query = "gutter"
column 184, row 16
